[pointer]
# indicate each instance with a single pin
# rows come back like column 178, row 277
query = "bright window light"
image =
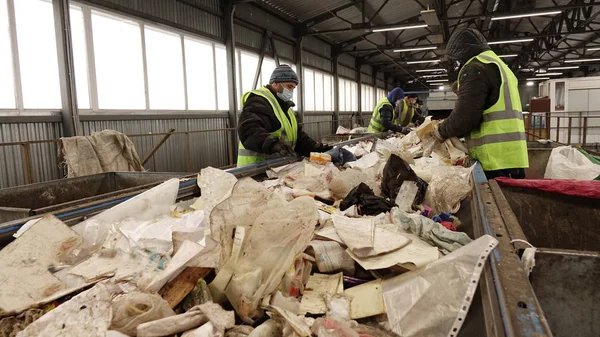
column 516, row 16
column 37, row 54
column 529, row 84
column 200, row 75
column 309, row 90
column 165, row 70
column 510, row 41
column 581, row 60
column 441, row 87
column 424, row 61
column 7, row 86
column 267, row 69
column 327, row 90
column 318, row 91
column 221, row 71
column 80, row 58
column 119, row 64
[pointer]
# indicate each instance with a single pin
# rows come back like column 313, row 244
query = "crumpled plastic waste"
column 430, row 231
column 133, row 309
column 367, row 203
column 397, row 171
column 239, row 331
column 344, row 182
column 566, row 162
column 428, row 289
column 449, row 185
column 270, row 328
column 340, row 156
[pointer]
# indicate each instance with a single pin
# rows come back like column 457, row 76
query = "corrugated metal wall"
column 366, row 79
column 205, row 148
column 315, row 61
column 347, row 59
column 318, row 125
column 179, row 14
column 316, row 46
column 347, row 72
column 43, row 156
column 247, row 37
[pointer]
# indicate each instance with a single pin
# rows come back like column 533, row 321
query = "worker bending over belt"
column 267, row 126
column 488, row 109
column 394, row 113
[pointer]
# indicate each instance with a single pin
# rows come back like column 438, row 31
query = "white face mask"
column 286, row 95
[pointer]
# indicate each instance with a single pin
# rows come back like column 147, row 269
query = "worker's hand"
column 405, row 130
column 436, row 134
column 283, row 149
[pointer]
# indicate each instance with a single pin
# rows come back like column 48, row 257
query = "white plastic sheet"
column 440, row 293
column 449, row 185
column 566, row 162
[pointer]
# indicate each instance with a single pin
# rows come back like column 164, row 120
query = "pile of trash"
column 368, row 247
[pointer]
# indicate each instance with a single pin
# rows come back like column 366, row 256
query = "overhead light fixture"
column 430, row 70
column 387, row 29
column 548, row 74
column 438, row 81
column 430, row 17
column 581, row 60
column 414, row 49
column 436, row 75
column 563, row 68
column 441, row 87
column 538, row 78
column 528, row 15
column 593, row 49
column 510, row 41
column 529, row 84
column 507, row 55
column 424, row 61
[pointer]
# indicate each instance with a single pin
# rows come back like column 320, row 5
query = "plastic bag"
column 395, row 172
column 366, row 202
column 566, row 162
column 430, row 231
column 432, row 309
column 449, row 185
column 136, row 308
column 340, row 156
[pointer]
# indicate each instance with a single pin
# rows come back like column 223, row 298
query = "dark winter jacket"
column 479, row 84
column 258, row 120
column 387, row 112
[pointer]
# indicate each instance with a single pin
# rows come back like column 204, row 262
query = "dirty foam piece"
column 24, row 263
column 87, row 314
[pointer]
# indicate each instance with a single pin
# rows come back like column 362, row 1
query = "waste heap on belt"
column 370, row 248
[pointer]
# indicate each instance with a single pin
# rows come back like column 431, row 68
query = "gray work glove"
column 436, row 134
column 283, row 149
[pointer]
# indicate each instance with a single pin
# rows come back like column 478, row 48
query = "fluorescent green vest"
column 407, row 114
column 288, row 132
column 500, row 142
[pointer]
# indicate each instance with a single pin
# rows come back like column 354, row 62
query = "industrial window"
column 7, row 84
column 165, row 70
column 266, row 70
column 36, row 41
column 367, row 97
column 221, row 73
column 309, row 90
column 200, row 74
column 328, row 90
column 348, row 95
column 80, row 58
column 381, row 93
column 119, row 62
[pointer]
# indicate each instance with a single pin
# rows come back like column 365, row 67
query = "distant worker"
column 393, row 113
column 267, row 125
column 488, row 108
column 413, row 114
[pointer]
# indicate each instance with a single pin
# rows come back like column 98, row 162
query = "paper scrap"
column 313, row 300
column 188, row 251
column 329, row 232
column 418, row 253
column 385, row 242
column 25, row 227
column 367, row 300
column 365, row 162
column 406, row 195
column 357, row 233
column 331, row 257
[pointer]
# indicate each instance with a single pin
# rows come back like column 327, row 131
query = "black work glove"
column 283, row 149
column 405, row 130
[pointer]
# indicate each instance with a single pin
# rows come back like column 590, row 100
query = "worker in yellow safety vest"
column 488, row 109
column 395, row 113
column 267, row 126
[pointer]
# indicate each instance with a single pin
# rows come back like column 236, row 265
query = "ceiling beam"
column 329, row 14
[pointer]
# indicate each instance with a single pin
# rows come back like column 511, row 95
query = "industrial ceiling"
column 399, row 36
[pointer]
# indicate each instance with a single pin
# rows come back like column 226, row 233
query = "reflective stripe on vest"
column 288, row 132
column 500, row 141
column 406, row 117
column 375, row 124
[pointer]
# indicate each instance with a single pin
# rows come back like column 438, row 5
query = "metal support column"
column 228, row 28
column 261, row 57
column 358, row 64
column 62, row 25
column 300, row 73
column 273, row 48
column 336, row 92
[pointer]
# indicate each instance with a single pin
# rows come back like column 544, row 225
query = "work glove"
column 340, row 156
column 405, row 130
column 436, row 134
column 282, row 149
